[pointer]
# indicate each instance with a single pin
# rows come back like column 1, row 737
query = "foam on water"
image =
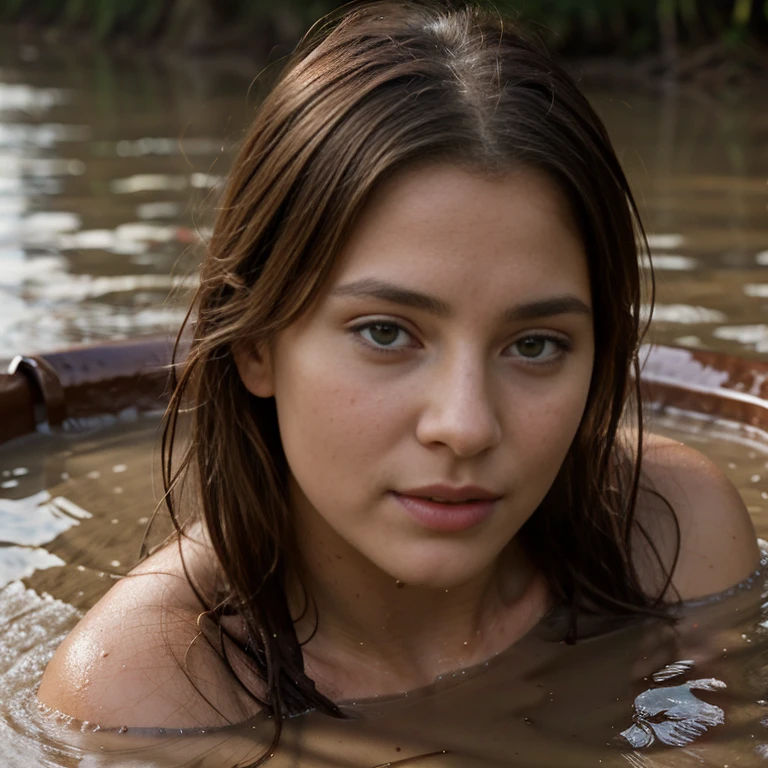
column 31, row 627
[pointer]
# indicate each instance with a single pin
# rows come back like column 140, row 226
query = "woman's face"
column 428, row 399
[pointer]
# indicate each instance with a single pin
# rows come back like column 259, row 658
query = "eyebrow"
column 395, row 294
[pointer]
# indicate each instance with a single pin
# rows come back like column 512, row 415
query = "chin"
column 438, row 577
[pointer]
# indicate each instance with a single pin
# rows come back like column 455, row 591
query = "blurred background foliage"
column 625, row 28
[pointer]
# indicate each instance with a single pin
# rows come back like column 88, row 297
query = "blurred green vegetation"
column 627, row 28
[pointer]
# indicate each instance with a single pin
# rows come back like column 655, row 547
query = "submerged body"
column 426, row 403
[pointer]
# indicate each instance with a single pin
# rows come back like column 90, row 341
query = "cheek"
column 333, row 423
column 551, row 423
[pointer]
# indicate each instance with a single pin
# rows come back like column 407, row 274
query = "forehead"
column 453, row 230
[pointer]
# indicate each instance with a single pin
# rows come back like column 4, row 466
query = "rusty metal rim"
column 59, row 388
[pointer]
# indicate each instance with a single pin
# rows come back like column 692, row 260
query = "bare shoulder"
column 718, row 544
column 138, row 659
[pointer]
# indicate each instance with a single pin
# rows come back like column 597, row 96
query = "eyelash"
column 563, row 346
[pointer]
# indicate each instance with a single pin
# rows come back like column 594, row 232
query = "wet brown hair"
column 375, row 89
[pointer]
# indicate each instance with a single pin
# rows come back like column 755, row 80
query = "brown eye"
column 540, row 349
column 531, row 347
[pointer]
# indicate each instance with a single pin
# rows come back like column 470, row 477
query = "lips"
column 452, row 494
column 448, row 509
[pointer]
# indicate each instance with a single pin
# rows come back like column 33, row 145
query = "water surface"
column 107, row 166
column 74, row 510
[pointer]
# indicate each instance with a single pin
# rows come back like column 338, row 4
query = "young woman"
column 408, row 421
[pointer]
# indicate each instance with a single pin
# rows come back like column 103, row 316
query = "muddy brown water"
column 106, row 168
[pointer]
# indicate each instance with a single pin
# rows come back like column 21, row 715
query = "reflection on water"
column 105, row 166
column 73, row 513
column 674, row 715
column 699, row 166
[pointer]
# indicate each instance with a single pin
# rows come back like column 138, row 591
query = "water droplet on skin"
column 117, row 490
column 755, row 478
column 65, row 475
column 93, row 475
column 9, row 484
column 20, row 472
column 114, row 521
column 115, row 563
column 119, row 468
column 104, row 654
column 399, row 584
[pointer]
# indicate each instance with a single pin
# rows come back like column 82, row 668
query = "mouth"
column 446, row 494
column 448, row 512
column 450, row 502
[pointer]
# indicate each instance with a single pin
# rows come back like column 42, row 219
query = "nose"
column 459, row 411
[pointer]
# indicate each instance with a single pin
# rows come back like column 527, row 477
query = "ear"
column 254, row 364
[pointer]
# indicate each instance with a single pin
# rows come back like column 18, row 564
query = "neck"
column 384, row 636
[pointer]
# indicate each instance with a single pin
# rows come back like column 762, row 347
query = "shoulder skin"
column 137, row 658
column 718, row 543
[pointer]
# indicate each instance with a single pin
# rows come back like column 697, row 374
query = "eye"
column 383, row 335
column 538, row 348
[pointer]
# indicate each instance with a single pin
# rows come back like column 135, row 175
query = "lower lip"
column 446, row 517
